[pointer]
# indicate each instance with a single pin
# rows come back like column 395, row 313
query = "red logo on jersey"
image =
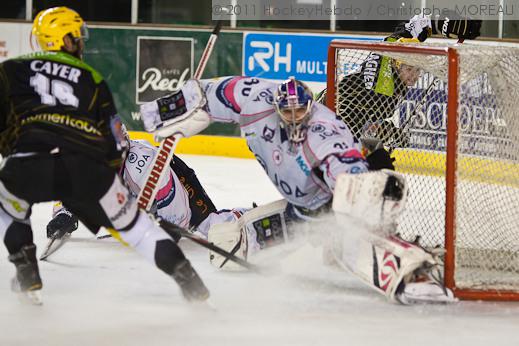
column 120, row 198
column 277, row 157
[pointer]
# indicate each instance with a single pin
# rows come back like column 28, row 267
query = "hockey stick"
column 176, row 231
column 167, row 146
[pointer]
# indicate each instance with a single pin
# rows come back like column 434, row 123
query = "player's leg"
column 199, row 202
column 24, row 179
column 367, row 206
column 18, row 239
column 99, row 198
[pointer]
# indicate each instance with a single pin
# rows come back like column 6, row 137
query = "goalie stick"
column 174, row 230
column 168, row 145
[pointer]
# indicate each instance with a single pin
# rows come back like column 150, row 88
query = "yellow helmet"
column 51, row 25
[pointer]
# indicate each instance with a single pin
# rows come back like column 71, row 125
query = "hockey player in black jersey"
column 368, row 95
column 61, row 140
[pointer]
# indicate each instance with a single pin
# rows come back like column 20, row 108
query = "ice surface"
column 97, row 292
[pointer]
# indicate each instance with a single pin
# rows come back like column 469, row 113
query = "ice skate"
column 425, row 287
column 27, row 281
column 193, row 288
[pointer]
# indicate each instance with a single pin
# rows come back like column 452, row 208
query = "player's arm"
column 110, row 126
column 191, row 109
column 449, row 25
column 228, row 96
column 419, row 28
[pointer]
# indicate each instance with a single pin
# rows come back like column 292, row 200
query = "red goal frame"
column 451, row 149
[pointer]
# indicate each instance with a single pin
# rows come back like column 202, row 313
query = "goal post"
column 449, row 112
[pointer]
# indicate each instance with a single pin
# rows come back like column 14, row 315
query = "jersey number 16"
column 52, row 90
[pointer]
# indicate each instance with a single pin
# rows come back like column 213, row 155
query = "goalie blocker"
column 181, row 112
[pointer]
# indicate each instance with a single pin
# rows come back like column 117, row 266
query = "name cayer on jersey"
column 52, row 99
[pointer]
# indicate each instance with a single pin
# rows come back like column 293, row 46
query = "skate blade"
column 426, row 293
column 206, row 305
column 33, row 297
column 53, row 245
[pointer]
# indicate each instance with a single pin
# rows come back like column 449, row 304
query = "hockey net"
column 454, row 131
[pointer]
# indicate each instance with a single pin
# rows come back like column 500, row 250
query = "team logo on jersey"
column 265, row 95
column 268, row 134
column 121, row 198
column 132, row 157
column 277, row 157
column 317, row 128
column 164, row 64
column 225, row 93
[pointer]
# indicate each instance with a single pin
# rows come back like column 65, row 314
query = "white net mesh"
column 401, row 99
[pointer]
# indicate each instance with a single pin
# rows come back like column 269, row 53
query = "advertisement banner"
column 482, row 126
column 141, row 64
column 279, row 56
column 163, row 65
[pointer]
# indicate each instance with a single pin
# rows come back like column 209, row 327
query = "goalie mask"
column 293, row 101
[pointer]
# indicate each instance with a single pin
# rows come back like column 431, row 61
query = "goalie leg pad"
column 258, row 228
column 391, row 266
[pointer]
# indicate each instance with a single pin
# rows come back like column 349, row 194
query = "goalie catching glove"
column 181, row 112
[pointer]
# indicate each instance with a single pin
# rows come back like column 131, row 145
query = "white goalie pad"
column 257, row 228
column 180, row 112
column 401, row 271
column 374, row 198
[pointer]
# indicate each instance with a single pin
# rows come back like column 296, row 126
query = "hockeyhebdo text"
column 362, row 9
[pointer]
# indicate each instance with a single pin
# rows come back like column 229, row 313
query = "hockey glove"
column 180, row 112
column 452, row 26
column 64, row 222
column 418, row 27
column 380, row 159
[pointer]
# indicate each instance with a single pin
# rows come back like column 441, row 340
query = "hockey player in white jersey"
column 312, row 159
column 181, row 199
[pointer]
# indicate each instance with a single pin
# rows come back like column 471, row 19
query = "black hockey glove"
column 451, row 25
column 64, row 222
column 380, row 159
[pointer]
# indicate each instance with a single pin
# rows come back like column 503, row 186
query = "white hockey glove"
column 375, row 198
column 180, row 112
column 419, row 27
